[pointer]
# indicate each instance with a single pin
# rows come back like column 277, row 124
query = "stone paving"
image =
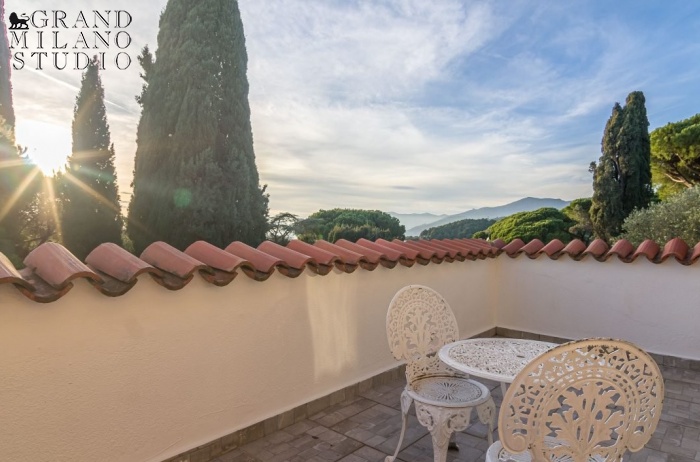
column 366, row 429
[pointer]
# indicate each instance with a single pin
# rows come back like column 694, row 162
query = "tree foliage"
column 90, row 212
column 579, row 210
column 544, row 224
column 622, row 176
column 457, row 229
column 675, row 156
column 677, row 216
column 350, row 224
column 19, row 180
column 195, row 175
column 282, row 228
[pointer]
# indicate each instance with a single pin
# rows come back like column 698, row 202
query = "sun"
column 48, row 145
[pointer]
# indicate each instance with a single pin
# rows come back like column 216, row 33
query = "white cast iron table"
column 498, row 359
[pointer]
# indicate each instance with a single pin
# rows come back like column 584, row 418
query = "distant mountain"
column 410, row 220
column 523, row 205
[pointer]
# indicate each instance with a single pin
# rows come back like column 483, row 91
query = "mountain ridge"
column 525, row 204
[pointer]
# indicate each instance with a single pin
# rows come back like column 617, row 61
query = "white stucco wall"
column 655, row 306
column 153, row 373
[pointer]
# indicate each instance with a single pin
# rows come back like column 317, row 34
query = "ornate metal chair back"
column 419, row 321
column 585, row 400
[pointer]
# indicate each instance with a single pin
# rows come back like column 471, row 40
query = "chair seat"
column 448, row 391
column 497, row 453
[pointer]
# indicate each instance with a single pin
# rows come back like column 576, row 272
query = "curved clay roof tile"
column 598, row 249
column 372, row 256
column 9, row 274
column 677, row 248
column 294, row 262
column 574, row 249
column 552, row 249
column 263, row 264
column 696, row 253
column 513, row 248
column 648, row 248
column 623, row 249
column 57, row 266
column 114, row 261
column 324, row 260
column 532, row 248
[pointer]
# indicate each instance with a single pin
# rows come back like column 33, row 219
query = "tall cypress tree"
column 195, row 175
column 19, row 181
column 90, row 213
column 622, row 176
column 7, row 111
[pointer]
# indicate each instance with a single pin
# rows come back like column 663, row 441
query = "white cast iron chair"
column 418, row 323
column 584, row 401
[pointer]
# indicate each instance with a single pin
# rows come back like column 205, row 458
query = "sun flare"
column 48, row 145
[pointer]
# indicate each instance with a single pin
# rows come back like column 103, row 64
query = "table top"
column 499, row 359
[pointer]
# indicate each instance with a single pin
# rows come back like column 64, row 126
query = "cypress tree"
column 18, row 179
column 7, row 111
column 622, row 176
column 195, row 175
column 90, row 213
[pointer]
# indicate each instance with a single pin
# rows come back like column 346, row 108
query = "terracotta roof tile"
column 178, row 267
column 9, row 274
column 222, row 264
column 648, row 248
column 118, row 269
column 453, row 252
column 598, row 249
column 113, row 271
column 112, row 260
column 696, row 253
column 408, row 254
column 387, row 252
column 553, row 248
column 676, row 248
column 424, row 254
column 374, row 257
column 485, row 247
column 57, row 266
column 513, row 248
column 263, row 264
column 574, row 249
column 41, row 291
column 623, row 249
column 438, row 252
column 468, row 249
column 294, row 262
column 323, row 260
column 532, row 248
column 348, row 260
column 498, row 243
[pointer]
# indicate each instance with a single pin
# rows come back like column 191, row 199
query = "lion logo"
column 17, row 23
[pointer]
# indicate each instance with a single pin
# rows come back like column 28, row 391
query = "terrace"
column 280, row 353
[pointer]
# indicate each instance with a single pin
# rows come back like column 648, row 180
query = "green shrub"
column 677, row 216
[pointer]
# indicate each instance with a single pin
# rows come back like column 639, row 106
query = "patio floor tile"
column 366, row 429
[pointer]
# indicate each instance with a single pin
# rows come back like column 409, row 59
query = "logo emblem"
column 17, row 22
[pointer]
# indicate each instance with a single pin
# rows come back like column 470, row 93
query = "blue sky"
column 410, row 106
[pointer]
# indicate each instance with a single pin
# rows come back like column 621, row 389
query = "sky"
column 404, row 106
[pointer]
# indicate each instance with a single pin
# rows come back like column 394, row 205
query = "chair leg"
column 487, row 415
column 406, row 401
column 442, row 422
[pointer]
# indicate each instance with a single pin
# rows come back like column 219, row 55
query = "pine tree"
column 622, row 177
column 195, row 175
column 90, row 213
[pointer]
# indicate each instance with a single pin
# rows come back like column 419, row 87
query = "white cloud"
column 410, row 105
